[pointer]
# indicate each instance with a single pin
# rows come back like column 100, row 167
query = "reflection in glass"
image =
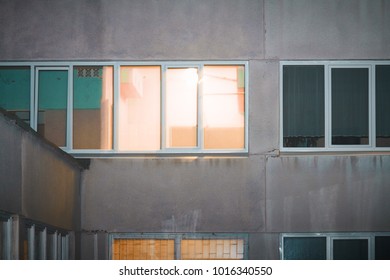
column 92, row 107
column 350, row 249
column 52, row 105
column 181, row 107
column 382, row 247
column 303, row 106
column 350, row 106
column 139, row 108
column 15, row 91
column 223, row 107
column 304, row 248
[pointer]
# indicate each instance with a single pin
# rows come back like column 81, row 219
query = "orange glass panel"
column 223, row 107
column 181, row 107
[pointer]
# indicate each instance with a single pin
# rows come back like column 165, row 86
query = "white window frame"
column 329, row 147
column 330, row 237
column 36, row 66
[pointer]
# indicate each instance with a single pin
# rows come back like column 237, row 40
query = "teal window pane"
column 52, row 105
column 382, row 247
column 382, row 86
column 15, row 87
column 350, row 106
column 92, row 107
column 350, row 249
column 303, row 106
column 304, row 248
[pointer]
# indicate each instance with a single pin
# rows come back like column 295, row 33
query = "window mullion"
column 200, row 108
column 328, row 107
column 116, row 101
column 163, row 107
column 372, row 108
column 69, row 124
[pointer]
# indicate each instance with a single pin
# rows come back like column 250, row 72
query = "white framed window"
column 335, row 246
column 121, row 108
column 334, row 106
column 196, row 246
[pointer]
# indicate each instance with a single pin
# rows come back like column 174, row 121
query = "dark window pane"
column 382, row 105
column 15, row 91
column 382, row 248
column 303, row 106
column 350, row 106
column 350, row 249
column 304, row 248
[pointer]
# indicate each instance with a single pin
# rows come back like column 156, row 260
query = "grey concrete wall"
column 10, row 166
column 130, row 30
column 51, row 185
column 175, row 195
column 317, row 29
column 328, row 193
column 37, row 180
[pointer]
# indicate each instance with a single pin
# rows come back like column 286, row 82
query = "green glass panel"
column 350, row 249
column 304, row 248
column 15, row 91
column 87, row 84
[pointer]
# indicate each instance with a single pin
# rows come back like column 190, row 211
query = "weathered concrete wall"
column 130, row 30
column 328, row 193
column 37, row 180
column 175, row 195
column 317, row 29
column 10, row 166
column 50, row 188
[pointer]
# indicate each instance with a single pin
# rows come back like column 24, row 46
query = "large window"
column 333, row 106
column 335, row 246
column 131, row 108
column 178, row 246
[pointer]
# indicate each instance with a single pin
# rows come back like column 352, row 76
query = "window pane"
column 212, row 249
column 382, row 105
column 92, row 107
column 139, row 108
column 304, row 248
column 382, row 248
column 350, row 249
column 224, row 107
column 143, row 249
column 350, row 106
column 52, row 105
column 181, row 107
column 15, row 91
column 303, row 106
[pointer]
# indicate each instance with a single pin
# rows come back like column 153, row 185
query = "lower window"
column 345, row 246
column 178, row 246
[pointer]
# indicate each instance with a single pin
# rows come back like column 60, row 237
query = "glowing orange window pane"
column 224, row 107
column 181, row 107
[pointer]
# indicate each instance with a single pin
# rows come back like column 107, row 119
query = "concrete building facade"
column 273, row 199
